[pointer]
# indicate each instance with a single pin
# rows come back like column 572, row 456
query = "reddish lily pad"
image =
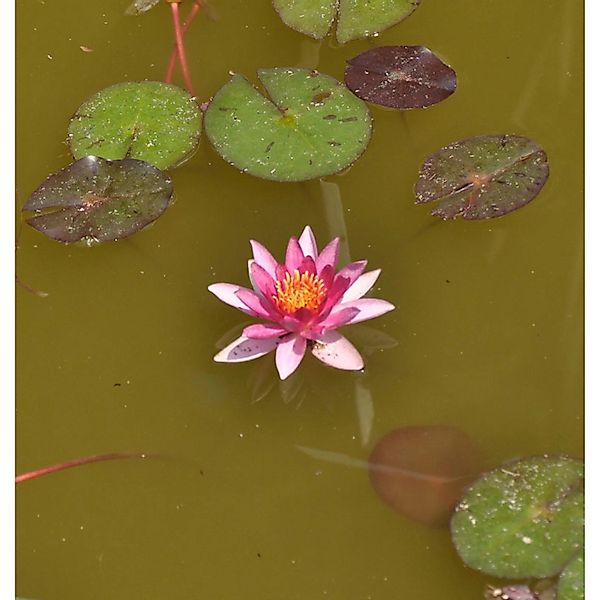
column 356, row 18
column 421, row 472
column 400, row 77
column 482, row 177
column 98, row 200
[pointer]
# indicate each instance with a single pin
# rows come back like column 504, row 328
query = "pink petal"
column 251, row 261
column 293, row 255
column 308, row 243
column 264, row 331
column 292, row 324
column 263, row 281
column 280, row 272
column 304, row 315
column 289, row 354
column 361, row 286
column 243, row 349
column 227, row 292
column 308, row 266
column 353, row 270
column 329, row 255
column 327, row 274
column 336, row 291
column 336, row 351
column 369, row 308
column 263, row 257
column 256, row 304
column 338, row 318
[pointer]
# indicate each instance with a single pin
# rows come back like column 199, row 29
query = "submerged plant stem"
column 173, row 58
column 30, row 289
column 181, row 48
column 78, row 462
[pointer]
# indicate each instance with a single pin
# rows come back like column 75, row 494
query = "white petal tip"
column 336, row 351
column 244, row 349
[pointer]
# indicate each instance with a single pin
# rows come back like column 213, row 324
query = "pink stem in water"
column 30, row 289
column 180, row 48
column 173, row 58
column 78, row 462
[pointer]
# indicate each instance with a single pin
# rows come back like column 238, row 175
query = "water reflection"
column 263, row 379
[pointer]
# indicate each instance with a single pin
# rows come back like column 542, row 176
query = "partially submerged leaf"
column 149, row 120
column 311, row 127
column 421, row 472
column 511, row 592
column 482, row 177
column 99, row 200
column 522, row 520
column 356, row 18
column 400, row 77
column 571, row 582
column 137, row 7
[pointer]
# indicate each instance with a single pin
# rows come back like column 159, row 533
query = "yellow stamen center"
column 299, row 291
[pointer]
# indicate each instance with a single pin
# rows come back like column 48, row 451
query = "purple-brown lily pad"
column 400, row 77
column 97, row 200
column 511, row 592
column 421, row 472
column 482, row 177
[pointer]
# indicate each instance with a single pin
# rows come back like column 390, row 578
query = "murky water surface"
column 487, row 335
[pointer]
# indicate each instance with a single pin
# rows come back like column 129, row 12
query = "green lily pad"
column 571, row 582
column 99, row 200
column 356, row 18
column 482, row 177
column 522, row 520
column 311, row 127
column 155, row 122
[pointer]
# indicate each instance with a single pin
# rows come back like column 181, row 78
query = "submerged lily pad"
column 311, row 127
column 571, row 582
column 421, row 472
column 522, row 520
column 482, row 177
column 149, row 120
column 400, row 77
column 356, row 18
column 99, row 200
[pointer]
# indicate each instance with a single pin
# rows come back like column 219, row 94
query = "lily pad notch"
column 309, row 126
column 482, row 177
column 355, row 18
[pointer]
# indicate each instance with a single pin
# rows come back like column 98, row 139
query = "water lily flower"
column 304, row 302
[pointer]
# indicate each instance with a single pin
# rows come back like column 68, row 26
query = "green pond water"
column 486, row 336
